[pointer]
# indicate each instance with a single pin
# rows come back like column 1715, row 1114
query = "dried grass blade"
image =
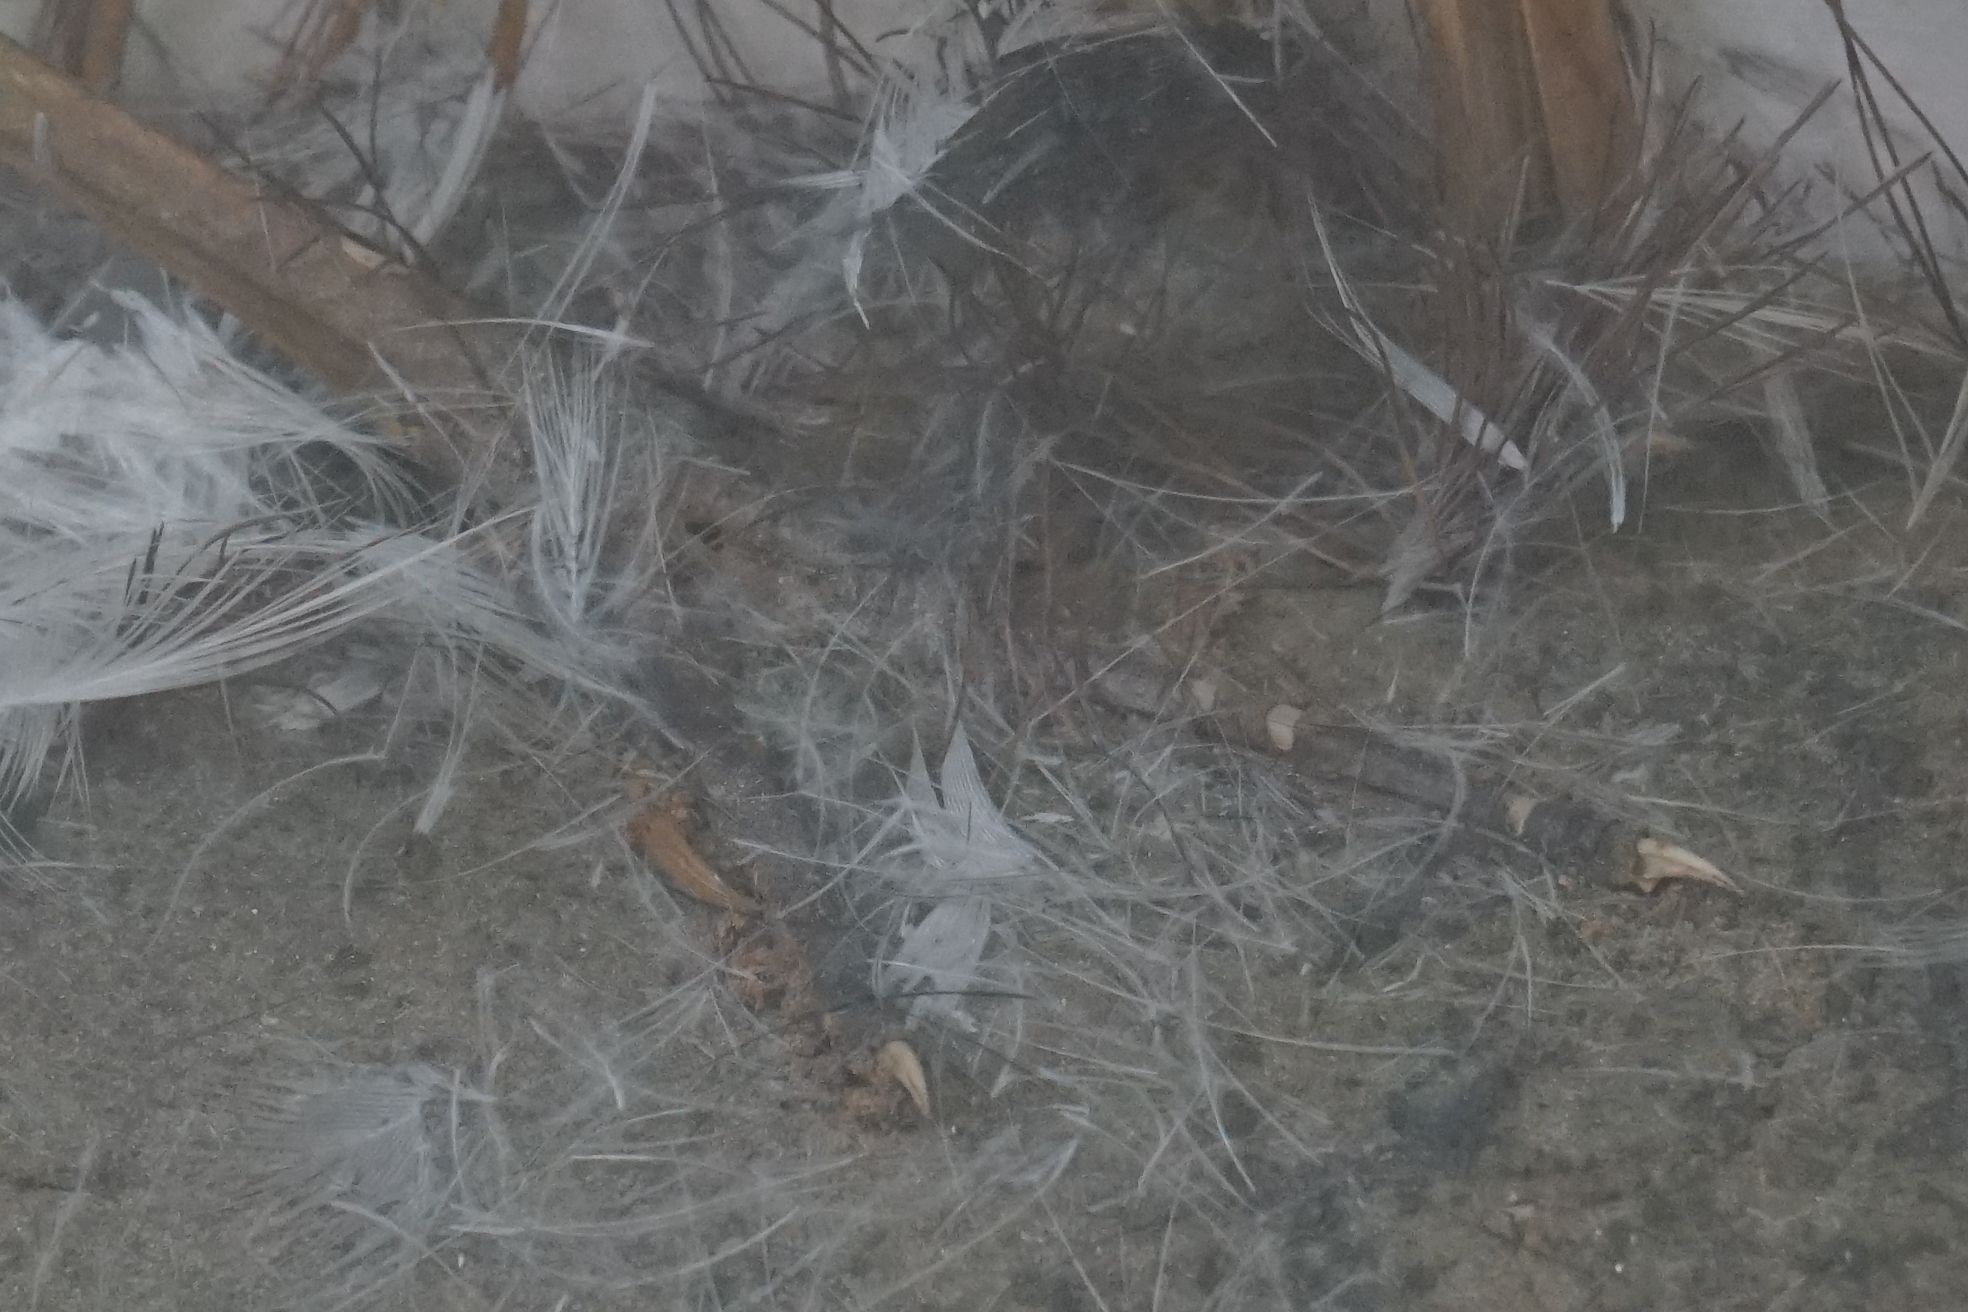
column 1945, row 459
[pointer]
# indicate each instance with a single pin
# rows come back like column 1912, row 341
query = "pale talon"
column 1661, row 861
column 898, row 1061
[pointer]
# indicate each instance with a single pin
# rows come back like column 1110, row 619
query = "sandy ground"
column 1608, row 1099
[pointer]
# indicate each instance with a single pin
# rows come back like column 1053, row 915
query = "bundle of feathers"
column 996, row 284
column 937, row 300
column 174, row 515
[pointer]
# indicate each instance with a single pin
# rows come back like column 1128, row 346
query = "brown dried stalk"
column 103, row 42
column 1590, row 127
column 85, row 37
column 1530, row 95
column 338, row 309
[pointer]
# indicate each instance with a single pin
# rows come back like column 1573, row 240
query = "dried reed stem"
column 335, row 307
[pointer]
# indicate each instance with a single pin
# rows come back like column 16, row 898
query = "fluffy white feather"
column 363, row 1170
column 160, row 525
column 164, row 524
column 960, row 852
column 959, row 840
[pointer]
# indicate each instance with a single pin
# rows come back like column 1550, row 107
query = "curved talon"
column 1662, row 861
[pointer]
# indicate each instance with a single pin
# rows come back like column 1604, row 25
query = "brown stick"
column 1535, row 84
column 1589, row 120
column 335, row 307
column 1486, row 115
column 508, row 45
column 103, row 42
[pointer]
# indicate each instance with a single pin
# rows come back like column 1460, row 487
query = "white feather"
column 961, row 854
column 939, row 958
column 959, row 841
column 160, row 528
column 362, row 1170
